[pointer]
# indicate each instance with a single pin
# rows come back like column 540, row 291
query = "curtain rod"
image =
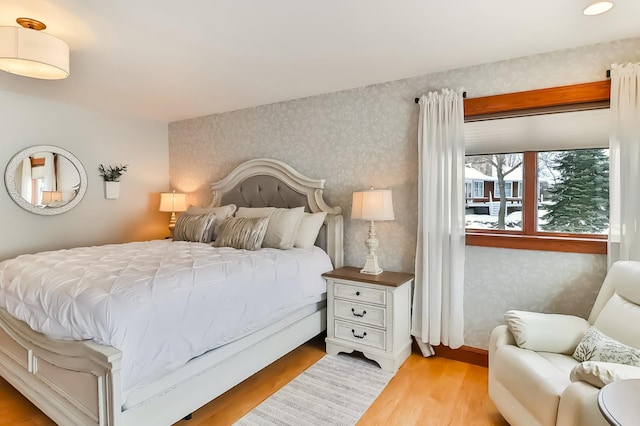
column 464, row 94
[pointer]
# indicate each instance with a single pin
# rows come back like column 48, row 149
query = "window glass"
column 497, row 174
column 573, row 191
column 467, row 190
column 478, row 189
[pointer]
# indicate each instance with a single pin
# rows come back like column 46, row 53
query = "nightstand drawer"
column 361, row 335
column 365, row 314
column 360, row 294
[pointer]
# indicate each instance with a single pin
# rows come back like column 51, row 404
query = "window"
column 563, row 198
column 467, row 190
column 535, row 212
column 495, row 212
column 508, row 190
column 573, row 191
column 478, row 189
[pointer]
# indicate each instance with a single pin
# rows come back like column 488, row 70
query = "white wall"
column 94, row 138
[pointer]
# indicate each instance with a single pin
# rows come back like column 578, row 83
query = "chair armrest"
column 579, row 406
column 500, row 336
column 546, row 332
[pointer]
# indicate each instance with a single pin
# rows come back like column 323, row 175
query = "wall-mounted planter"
column 111, row 190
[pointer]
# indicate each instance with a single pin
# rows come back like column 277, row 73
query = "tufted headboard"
column 264, row 182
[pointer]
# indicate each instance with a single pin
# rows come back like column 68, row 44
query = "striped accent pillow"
column 194, row 227
column 242, row 232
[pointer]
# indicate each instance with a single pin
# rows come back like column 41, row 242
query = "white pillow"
column 599, row 374
column 283, row 224
column 546, row 332
column 221, row 212
column 309, row 228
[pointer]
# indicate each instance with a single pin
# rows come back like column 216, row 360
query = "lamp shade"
column 173, row 202
column 49, row 197
column 32, row 53
column 374, row 204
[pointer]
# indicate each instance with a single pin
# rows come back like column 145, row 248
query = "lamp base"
column 172, row 222
column 371, row 266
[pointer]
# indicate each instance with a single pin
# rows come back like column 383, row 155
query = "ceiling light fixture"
column 27, row 51
column 597, row 8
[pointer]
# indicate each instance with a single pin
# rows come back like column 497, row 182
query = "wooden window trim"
column 555, row 99
column 593, row 245
column 548, row 100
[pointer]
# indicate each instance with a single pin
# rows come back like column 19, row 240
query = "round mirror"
column 45, row 179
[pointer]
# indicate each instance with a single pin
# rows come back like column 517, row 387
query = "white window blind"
column 546, row 132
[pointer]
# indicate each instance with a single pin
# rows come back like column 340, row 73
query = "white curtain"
column 624, row 161
column 25, row 180
column 437, row 316
column 49, row 172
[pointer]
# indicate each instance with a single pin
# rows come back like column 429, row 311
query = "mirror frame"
column 10, row 181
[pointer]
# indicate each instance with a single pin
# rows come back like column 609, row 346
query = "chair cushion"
column 536, row 381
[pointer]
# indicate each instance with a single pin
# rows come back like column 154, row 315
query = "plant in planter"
column 111, row 176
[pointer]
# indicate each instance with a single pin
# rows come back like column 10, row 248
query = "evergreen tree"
column 580, row 197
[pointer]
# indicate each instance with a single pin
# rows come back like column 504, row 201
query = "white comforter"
column 160, row 302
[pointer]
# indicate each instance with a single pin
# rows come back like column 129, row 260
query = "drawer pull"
column 357, row 293
column 353, row 311
column 356, row 336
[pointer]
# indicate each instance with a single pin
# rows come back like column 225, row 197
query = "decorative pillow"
column 546, row 332
column 242, row 232
column 283, row 224
column 309, row 228
column 194, row 228
column 221, row 213
column 595, row 346
column 599, row 374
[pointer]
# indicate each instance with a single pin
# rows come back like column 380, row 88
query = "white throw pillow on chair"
column 540, row 332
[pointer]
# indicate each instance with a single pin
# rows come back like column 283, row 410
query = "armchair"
column 533, row 378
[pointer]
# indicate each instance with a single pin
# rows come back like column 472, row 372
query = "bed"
column 81, row 381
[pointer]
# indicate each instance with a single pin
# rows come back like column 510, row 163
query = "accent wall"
column 368, row 137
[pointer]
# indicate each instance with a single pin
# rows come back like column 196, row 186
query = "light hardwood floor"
column 425, row 391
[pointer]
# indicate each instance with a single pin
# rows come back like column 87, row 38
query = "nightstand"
column 370, row 314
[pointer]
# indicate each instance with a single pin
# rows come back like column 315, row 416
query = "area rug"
column 336, row 390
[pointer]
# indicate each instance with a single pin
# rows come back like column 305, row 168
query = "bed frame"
column 78, row 382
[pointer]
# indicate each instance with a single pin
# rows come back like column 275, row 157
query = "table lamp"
column 372, row 205
column 172, row 202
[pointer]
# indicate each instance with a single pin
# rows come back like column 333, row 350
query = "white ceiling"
column 168, row 59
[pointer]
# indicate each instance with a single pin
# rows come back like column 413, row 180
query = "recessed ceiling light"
column 597, row 8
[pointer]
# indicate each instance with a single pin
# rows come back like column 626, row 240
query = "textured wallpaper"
column 368, row 137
